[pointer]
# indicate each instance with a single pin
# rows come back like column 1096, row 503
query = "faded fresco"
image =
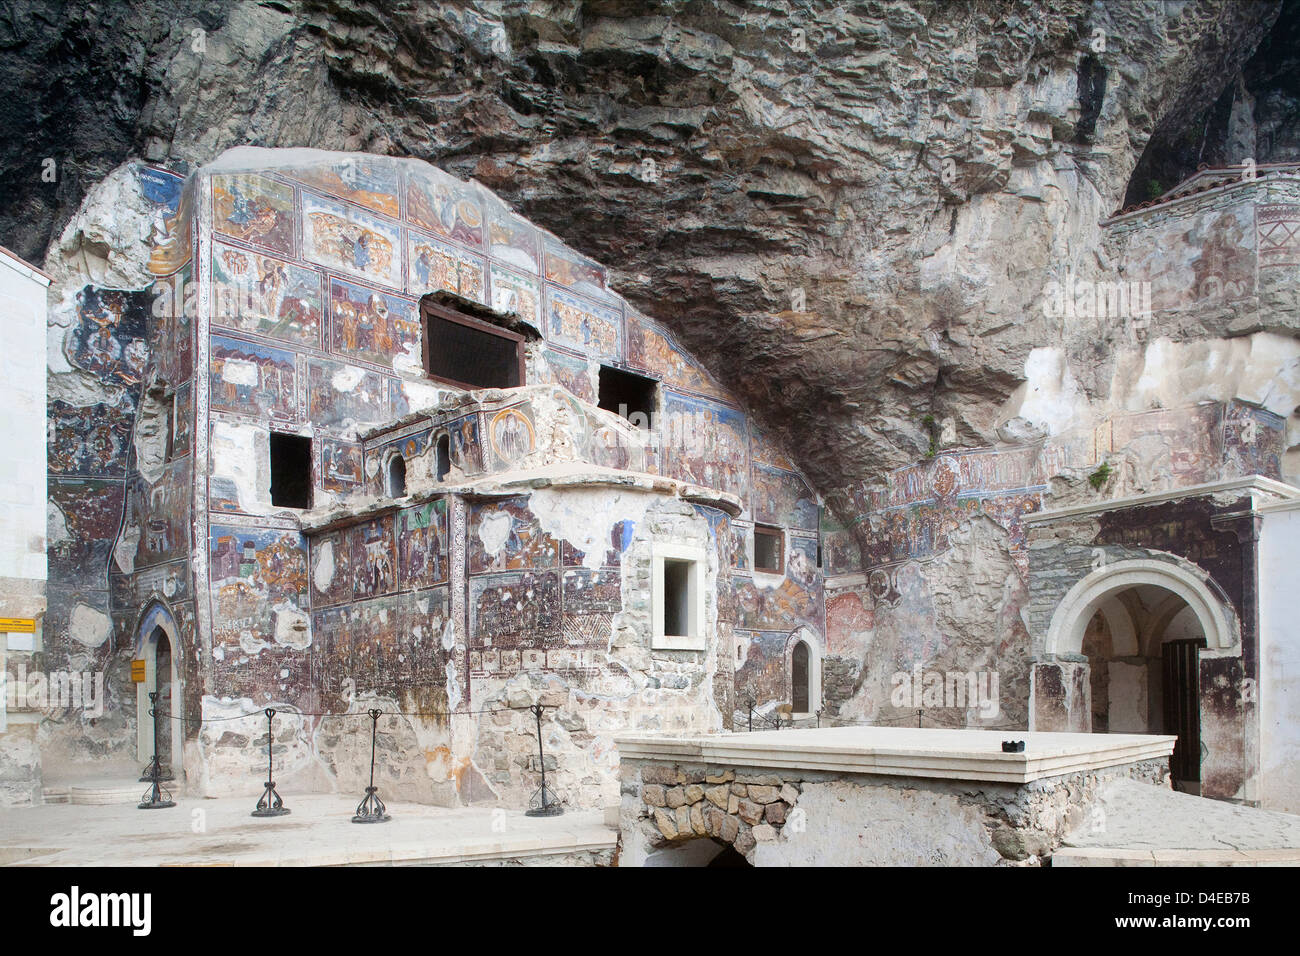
column 445, row 206
column 504, row 535
column 252, row 379
column 359, row 179
column 514, row 241
column 517, row 294
column 706, row 443
column 651, row 351
column 170, row 219
column 568, row 268
column 422, row 545
column 783, row 498
column 583, row 326
column 341, row 466
column 338, row 394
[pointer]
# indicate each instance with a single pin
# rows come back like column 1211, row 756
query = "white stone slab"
column 903, row 751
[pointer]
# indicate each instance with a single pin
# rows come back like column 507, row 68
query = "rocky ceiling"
column 915, row 169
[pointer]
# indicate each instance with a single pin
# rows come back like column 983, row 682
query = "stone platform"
column 318, row 832
column 869, row 796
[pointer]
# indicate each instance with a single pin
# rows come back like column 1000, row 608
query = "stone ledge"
column 904, row 752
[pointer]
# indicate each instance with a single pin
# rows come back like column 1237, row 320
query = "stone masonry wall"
column 779, row 817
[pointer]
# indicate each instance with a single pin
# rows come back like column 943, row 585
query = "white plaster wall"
column 1279, row 644
column 22, row 398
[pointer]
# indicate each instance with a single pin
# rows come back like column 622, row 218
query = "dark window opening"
column 631, row 396
column 819, row 555
column 768, row 549
column 290, row 471
column 468, row 353
column 171, row 429
column 443, row 456
column 397, row 477
column 677, row 598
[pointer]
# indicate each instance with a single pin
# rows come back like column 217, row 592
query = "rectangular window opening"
column 171, row 429
column 628, row 395
column 290, row 471
column 768, row 549
column 677, row 598
column 468, row 353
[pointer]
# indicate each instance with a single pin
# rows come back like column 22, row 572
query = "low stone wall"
column 800, row 817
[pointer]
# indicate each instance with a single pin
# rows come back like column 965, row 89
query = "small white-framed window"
column 678, row 598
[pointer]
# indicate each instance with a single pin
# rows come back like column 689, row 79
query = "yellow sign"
column 18, row 625
column 137, row 672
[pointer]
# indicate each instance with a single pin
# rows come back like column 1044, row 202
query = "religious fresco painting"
column 706, row 443
column 266, row 296
column 439, row 266
column 169, row 219
column 422, row 544
column 512, row 435
column 338, row 394
column 517, row 294
column 574, row 271
column 372, row 326
column 340, row 236
column 341, row 466
column 505, row 535
column 254, row 210
column 110, row 337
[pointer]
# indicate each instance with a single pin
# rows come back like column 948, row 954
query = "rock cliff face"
column 850, row 211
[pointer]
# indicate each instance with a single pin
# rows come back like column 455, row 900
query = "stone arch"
column 805, row 635
column 1100, row 589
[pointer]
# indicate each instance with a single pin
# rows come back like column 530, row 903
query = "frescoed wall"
column 287, row 300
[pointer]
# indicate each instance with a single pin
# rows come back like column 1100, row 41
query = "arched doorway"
column 156, row 645
column 799, row 678
column 1143, row 655
column 1143, row 625
column 803, row 667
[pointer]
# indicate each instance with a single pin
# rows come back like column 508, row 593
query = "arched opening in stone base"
column 700, row 852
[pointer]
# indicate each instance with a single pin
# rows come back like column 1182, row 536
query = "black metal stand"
column 156, row 797
column 749, row 703
column 271, row 805
column 371, row 809
column 163, row 773
column 543, row 802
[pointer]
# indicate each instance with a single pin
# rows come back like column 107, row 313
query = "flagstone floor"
column 318, row 832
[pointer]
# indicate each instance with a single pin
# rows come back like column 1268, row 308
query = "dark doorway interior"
column 628, row 395
column 163, row 685
column 799, row 677
column 290, row 471
column 1182, row 707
